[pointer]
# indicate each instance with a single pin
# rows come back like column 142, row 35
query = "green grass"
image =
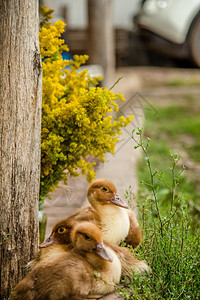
column 175, row 128
column 182, row 82
column 170, row 224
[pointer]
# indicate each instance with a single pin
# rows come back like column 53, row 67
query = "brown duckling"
column 60, row 242
column 85, row 270
column 118, row 222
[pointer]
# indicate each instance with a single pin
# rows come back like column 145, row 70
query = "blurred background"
column 132, row 33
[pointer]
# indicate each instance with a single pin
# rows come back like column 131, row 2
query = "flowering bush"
column 75, row 123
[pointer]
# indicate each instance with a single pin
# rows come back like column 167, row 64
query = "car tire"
column 194, row 43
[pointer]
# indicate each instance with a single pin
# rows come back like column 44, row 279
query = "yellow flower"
column 75, row 123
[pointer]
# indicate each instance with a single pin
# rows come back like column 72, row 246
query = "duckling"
column 87, row 269
column 118, row 222
column 60, row 242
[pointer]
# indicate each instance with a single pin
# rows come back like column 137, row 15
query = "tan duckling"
column 85, row 270
column 118, row 222
column 59, row 239
column 58, row 242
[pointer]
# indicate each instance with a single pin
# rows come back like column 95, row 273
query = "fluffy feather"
column 72, row 274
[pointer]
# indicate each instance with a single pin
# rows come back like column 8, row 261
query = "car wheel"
column 194, row 43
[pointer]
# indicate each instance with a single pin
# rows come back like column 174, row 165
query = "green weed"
column 170, row 246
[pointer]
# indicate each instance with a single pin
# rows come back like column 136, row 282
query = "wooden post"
column 20, row 127
column 101, row 37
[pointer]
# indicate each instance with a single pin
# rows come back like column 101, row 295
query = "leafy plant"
column 75, row 120
column 169, row 246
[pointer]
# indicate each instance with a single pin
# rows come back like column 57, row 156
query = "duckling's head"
column 101, row 192
column 86, row 237
column 60, row 234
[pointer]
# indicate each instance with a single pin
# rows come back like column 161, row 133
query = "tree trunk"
column 20, row 126
column 101, row 37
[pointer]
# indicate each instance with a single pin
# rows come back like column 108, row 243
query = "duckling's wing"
column 134, row 237
column 86, row 214
column 128, row 261
column 131, row 264
column 61, row 277
column 24, row 289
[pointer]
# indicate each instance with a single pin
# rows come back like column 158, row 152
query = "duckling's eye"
column 86, row 236
column 62, row 230
column 105, row 189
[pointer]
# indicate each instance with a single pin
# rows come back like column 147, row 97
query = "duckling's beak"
column 101, row 251
column 50, row 241
column 118, row 201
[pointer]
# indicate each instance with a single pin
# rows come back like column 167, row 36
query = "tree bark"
column 20, row 126
column 101, row 46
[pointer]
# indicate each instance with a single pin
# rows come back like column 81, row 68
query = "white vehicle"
column 172, row 26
